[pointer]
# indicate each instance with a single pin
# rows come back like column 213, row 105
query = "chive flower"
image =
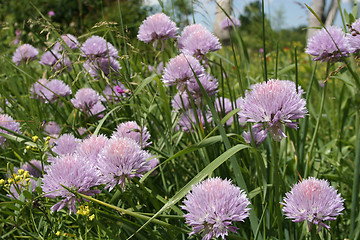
column 213, row 205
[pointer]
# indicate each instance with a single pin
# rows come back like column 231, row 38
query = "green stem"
column 355, row 189
column 308, row 163
column 277, row 186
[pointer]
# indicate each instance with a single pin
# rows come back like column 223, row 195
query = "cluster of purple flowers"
column 332, row 44
column 50, row 91
column 230, row 23
column 157, row 27
column 271, row 105
column 101, row 57
column 81, row 165
column 25, row 53
column 313, row 200
column 9, row 123
column 214, row 204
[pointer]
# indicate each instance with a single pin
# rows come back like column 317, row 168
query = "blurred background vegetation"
column 78, row 17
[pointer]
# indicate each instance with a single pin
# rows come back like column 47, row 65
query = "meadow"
column 171, row 134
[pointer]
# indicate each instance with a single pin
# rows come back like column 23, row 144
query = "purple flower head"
column 116, row 93
column 313, row 200
column 198, row 42
column 90, row 148
column 38, row 89
column 68, row 39
column 55, row 60
column 132, row 130
column 25, row 53
column 353, row 38
column 187, row 119
column 51, row 13
column 9, row 123
column 73, row 172
column 120, row 160
column 229, row 24
column 188, row 31
column 322, row 46
column 223, row 106
column 52, row 128
column 274, row 103
column 66, row 144
column 33, row 167
column 57, row 88
column 178, row 71
column 258, row 134
column 157, row 27
column 213, row 205
column 181, row 101
column 209, row 83
column 85, row 99
column 96, row 46
column 97, row 110
column 50, row 91
column 103, row 65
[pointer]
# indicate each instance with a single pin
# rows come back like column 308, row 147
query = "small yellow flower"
column 17, row 178
column 28, row 147
column 2, row 182
column 58, row 233
column 92, row 217
column 10, row 180
column 26, row 174
column 47, row 138
column 21, row 171
column 35, row 138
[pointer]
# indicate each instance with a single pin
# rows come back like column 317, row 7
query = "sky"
column 294, row 12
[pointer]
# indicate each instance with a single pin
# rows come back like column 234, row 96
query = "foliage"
column 324, row 146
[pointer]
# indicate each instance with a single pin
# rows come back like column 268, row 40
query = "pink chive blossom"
column 9, row 123
column 181, row 101
column 208, row 82
column 274, row 104
column 257, row 134
column 25, row 53
column 313, row 200
column 213, row 205
column 90, row 148
column 132, row 130
column 55, row 60
column 325, row 46
column 97, row 110
column 198, row 42
column 96, row 46
column 180, row 69
column 85, row 99
column 157, row 27
column 120, row 160
column 188, row 31
column 353, row 37
column 50, row 91
column 102, row 66
column 68, row 39
column 66, row 144
column 230, row 23
column 71, row 171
